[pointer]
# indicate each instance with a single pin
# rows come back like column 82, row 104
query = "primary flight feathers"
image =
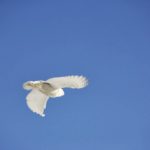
column 41, row 90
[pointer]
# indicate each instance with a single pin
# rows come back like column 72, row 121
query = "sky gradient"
column 106, row 41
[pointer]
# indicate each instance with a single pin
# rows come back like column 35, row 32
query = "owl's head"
column 32, row 84
column 28, row 85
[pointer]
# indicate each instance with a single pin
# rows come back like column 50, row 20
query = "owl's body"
column 53, row 87
column 47, row 89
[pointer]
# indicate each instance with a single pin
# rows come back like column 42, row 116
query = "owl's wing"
column 68, row 82
column 37, row 101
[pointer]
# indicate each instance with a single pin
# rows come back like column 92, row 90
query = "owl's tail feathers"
column 57, row 93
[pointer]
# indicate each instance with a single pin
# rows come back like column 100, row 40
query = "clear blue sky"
column 107, row 41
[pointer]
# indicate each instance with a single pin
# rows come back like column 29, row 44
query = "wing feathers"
column 68, row 82
column 36, row 101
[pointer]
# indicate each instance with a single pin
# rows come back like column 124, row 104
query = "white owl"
column 41, row 90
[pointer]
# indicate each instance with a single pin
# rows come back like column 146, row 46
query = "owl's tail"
column 57, row 93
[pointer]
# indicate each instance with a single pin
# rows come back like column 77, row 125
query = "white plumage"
column 41, row 90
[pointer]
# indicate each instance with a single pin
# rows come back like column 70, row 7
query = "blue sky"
column 108, row 42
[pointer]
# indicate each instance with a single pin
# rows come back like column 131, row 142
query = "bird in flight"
column 42, row 90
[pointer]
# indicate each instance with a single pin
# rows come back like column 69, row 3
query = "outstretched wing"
column 36, row 101
column 68, row 82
